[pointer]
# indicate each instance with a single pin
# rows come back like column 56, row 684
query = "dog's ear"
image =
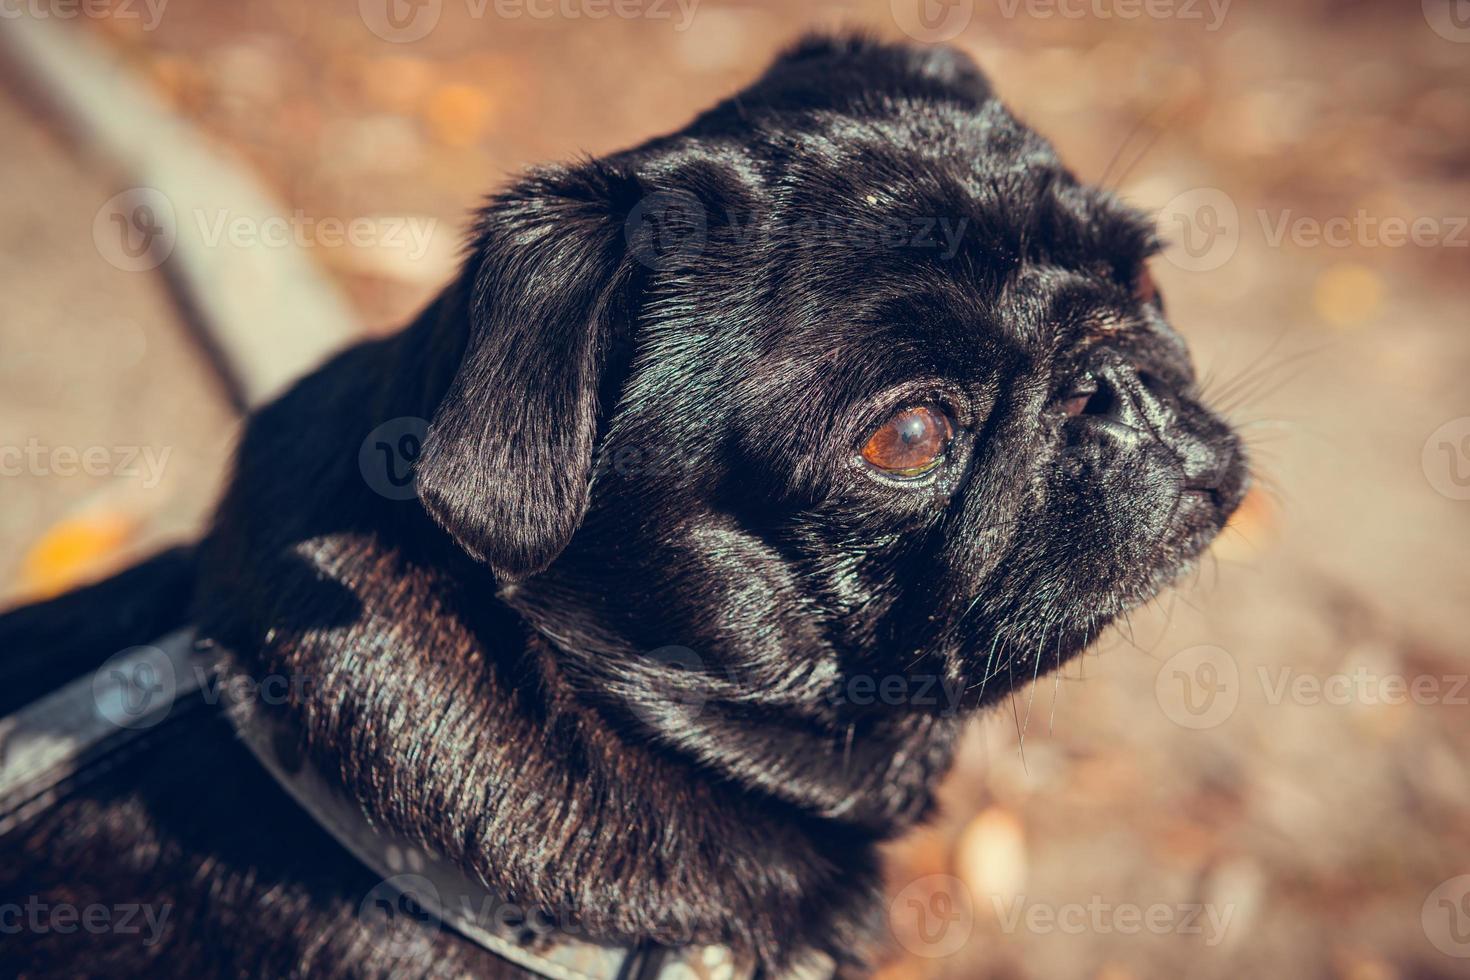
column 508, row 457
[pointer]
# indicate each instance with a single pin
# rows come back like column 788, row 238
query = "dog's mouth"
column 1129, row 514
column 1208, row 509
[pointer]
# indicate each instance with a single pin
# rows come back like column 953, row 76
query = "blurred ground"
column 116, row 437
column 1265, row 774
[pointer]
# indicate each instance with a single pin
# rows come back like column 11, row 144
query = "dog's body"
column 604, row 660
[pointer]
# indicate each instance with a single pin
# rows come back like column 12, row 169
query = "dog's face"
column 850, row 377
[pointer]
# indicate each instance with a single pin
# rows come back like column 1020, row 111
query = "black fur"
column 606, row 662
column 44, row 645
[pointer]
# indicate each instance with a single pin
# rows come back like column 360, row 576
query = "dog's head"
column 850, row 377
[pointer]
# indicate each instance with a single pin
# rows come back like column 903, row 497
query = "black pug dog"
column 756, row 459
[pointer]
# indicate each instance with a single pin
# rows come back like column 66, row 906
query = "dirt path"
column 115, row 436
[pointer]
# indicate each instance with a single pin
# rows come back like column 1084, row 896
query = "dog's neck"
column 775, row 735
column 452, row 728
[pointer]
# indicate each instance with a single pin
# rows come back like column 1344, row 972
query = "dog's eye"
column 911, row 443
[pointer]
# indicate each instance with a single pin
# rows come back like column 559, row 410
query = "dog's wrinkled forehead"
column 906, row 230
column 943, row 200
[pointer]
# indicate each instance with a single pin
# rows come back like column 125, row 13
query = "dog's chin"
column 1073, row 593
column 1195, row 520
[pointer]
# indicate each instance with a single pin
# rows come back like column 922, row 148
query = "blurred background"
column 1265, row 773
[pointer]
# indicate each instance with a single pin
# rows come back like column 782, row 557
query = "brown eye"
column 910, row 443
column 1076, row 403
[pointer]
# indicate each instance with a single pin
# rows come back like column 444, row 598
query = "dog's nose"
column 1122, row 403
column 1133, row 409
column 1111, row 408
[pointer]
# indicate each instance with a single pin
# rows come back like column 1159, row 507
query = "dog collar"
column 59, row 742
